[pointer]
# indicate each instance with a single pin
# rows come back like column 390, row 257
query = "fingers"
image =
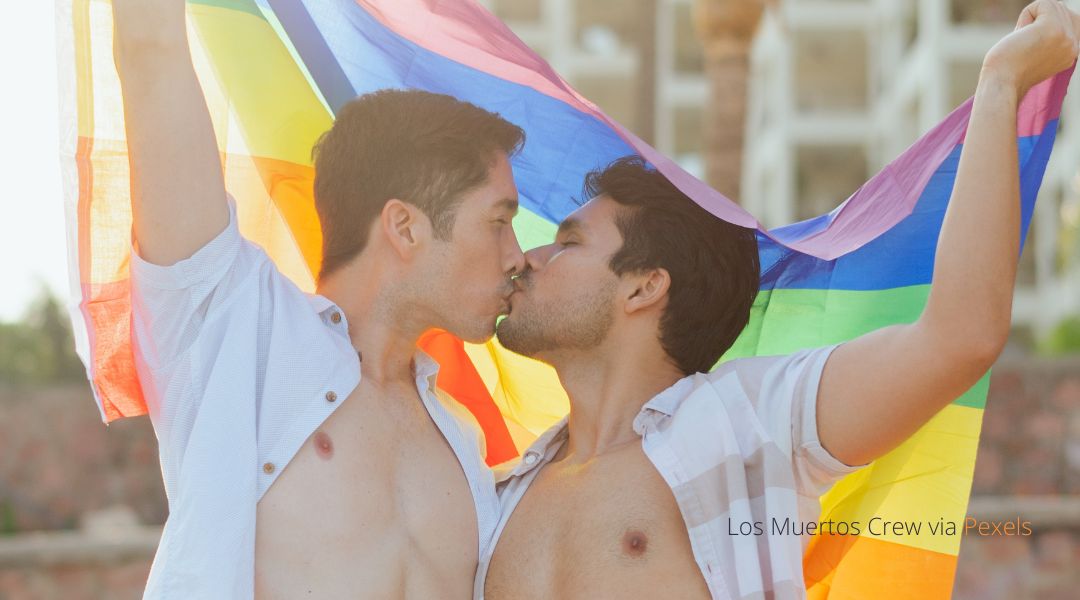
column 1065, row 17
column 1027, row 16
column 1068, row 21
column 1072, row 21
column 1041, row 10
column 1055, row 21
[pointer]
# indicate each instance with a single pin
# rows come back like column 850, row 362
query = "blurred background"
column 785, row 105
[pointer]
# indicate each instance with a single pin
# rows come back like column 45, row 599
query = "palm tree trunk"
column 726, row 28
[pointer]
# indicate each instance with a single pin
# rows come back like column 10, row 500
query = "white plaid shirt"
column 736, row 445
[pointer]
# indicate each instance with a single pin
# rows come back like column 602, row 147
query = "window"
column 825, row 176
column 830, row 71
column 518, row 10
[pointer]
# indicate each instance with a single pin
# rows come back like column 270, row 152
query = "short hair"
column 713, row 264
column 423, row 148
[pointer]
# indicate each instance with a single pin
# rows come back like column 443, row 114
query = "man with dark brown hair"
column 664, row 481
column 305, row 449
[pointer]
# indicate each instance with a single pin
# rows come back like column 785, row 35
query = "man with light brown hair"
column 305, row 449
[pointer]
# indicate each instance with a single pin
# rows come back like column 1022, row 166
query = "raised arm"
column 877, row 390
column 178, row 190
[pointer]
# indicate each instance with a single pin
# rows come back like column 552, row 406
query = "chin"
column 478, row 339
column 478, row 333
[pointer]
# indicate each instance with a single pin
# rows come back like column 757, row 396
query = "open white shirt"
column 239, row 367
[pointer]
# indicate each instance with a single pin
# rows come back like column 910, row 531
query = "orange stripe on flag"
column 291, row 186
column 459, row 378
column 865, row 567
column 107, row 310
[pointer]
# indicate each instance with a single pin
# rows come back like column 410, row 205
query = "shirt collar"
column 538, row 454
column 664, row 404
column 426, row 368
column 320, row 303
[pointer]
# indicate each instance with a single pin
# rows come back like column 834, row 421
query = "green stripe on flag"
column 784, row 321
column 247, row 6
column 533, row 230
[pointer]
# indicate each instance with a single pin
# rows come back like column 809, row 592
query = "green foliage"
column 7, row 518
column 1063, row 339
column 40, row 348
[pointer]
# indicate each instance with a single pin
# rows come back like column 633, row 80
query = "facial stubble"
column 581, row 323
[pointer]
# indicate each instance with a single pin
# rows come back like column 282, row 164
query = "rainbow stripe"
column 274, row 72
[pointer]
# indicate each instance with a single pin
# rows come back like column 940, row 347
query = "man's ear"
column 404, row 226
column 650, row 289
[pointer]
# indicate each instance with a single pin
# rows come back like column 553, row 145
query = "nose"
column 536, row 258
column 514, row 261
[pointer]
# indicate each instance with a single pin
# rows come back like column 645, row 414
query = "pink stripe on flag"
column 1043, row 104
column 892, row 194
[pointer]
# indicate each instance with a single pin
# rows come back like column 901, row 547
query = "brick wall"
column 1042, row 565
column 59, row 461
column 1029, row 449
column 1030, row 442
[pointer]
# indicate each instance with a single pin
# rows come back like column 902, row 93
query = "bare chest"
column 375, row 495
column 609, row 528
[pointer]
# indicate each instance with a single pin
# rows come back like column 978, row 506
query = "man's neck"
column 607, row 389
column 383, row 332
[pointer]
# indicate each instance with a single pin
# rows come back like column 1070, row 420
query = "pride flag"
column 275, row 72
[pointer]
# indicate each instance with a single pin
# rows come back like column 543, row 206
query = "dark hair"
column 422, row 148
column 713, row 264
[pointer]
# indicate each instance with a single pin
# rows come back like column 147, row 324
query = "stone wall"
column 76, row 565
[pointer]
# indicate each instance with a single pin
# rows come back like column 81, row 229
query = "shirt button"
column 530, row 459
column 331, row 396
column 335, row 318
column 268, row 468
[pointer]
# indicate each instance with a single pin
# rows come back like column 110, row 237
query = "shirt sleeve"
column 784, row 391
column 171, row 304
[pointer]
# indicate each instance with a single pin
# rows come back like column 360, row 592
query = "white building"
column 841, row 87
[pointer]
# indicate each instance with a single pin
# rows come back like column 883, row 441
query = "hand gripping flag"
column 274, row 73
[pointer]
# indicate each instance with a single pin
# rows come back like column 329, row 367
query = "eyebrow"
column 509, row 204
column 569, row 225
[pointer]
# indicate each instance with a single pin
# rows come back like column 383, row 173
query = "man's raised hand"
column 1043, row 44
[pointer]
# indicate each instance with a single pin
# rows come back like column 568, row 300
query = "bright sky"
column 32, row 246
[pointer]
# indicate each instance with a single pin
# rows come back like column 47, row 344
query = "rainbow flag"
column 275, row 72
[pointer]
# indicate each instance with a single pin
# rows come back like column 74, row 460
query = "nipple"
column 635, row 542
column 323, row 446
